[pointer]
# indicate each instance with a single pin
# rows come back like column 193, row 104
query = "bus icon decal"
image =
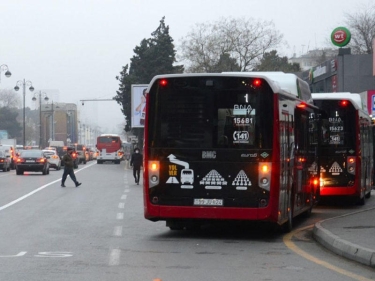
column 213, row 180
column 335, row 169
column 241, row 181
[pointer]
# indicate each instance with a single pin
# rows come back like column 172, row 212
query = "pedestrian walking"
column 136, row 162
column 68, row 168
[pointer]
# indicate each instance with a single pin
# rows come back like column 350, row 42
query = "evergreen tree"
column 153, row 56
column 273, row 62
column 226, row 63
column 8, row 122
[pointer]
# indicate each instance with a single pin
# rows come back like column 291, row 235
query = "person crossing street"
column 136, row 162
column 68, row 168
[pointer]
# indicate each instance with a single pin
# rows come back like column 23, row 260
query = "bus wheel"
column 288, row 226
column 361, row 201
column 174, row 225
column 368, row 195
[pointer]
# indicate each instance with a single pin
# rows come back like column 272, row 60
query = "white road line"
column 121, row 205
column 35, row 191
column 20, row 254
column 123, row 197
column 117, row 231
column 114, row 257
column 120, row 216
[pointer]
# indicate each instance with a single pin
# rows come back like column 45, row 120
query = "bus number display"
column 335, row 139
column 242, row 121
column 336, row 128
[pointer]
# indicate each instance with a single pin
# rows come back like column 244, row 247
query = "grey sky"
column 79, row 47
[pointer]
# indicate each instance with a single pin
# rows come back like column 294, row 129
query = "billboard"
column 3, row 134
column 138, row 105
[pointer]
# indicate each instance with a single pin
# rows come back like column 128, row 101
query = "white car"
column 54, row 159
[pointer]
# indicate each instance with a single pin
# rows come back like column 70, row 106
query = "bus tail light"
column 264, row 176
column 257, row 83
column 153, row 173
column 350, row 164
column 343, row 103
column 163, row 82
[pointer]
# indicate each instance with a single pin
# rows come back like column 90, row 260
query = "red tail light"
column 257, row 82
column 163, row 82
column 344, row 103
column 41, row 160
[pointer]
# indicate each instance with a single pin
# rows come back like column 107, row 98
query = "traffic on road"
column 98, row 232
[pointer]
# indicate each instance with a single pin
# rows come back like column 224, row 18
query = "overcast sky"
column 78, row 47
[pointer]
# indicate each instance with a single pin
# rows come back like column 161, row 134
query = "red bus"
column 346, row 161
column 229, row 146
column 109, row 148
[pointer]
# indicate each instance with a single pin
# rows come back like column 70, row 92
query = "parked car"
column 33, row 160
column 54, row 159
column 5, row 161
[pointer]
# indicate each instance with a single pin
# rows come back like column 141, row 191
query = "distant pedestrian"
column 68, row 168
column 136, row 162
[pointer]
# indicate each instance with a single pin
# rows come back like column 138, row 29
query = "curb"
column 342, row 247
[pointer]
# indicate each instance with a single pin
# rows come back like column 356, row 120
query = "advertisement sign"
column 340, row 36
column 3, row 134
column 138, row 105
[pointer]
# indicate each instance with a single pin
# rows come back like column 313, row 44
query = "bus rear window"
column 108, row 140
column 211, row 112
column 338, row 123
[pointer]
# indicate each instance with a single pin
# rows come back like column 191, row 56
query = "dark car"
column 5, row 162
column 33, row 160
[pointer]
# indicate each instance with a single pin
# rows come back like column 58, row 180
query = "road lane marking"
column 114, row 257
column 120, row 216
column 121, row 205
column 123, row 197
column 288, row 242
column 36, row 190
column 117, row 231
column 20, row 254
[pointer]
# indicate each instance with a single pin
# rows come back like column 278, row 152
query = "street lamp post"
column 29, row 84
column 5, row 68
column 40, row 114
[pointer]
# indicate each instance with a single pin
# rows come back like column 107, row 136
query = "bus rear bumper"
column 157, row 213
column 339, row 191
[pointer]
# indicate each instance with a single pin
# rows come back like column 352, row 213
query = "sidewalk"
column 351, row 236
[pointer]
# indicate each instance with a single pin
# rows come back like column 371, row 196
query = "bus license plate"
column 208, row 202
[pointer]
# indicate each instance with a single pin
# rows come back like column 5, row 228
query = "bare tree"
column 245, row 40
column 362, row 27
column 9, row 99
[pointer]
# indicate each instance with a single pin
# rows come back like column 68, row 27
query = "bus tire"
column 361, row 201
column 368, row 195
column 288, row 225
column 174, row 225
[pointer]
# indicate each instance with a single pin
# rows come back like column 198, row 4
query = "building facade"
column 344, row 73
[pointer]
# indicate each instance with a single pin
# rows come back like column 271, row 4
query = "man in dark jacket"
column 68, row 168
column 136, row 162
